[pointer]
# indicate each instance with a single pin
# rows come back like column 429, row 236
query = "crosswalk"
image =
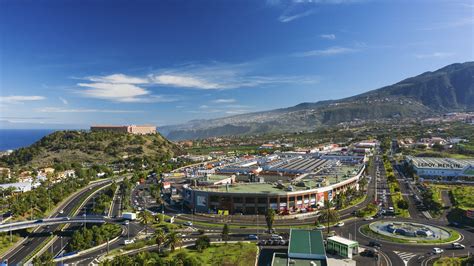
column 405, row 256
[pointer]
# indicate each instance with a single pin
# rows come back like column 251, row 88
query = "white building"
column 442, row 167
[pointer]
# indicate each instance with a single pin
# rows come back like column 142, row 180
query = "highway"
column 38, row 236
column 50, row 221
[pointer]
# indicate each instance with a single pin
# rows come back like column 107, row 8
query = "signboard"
column 330, row 195
column 201, row 201
column 223, row 212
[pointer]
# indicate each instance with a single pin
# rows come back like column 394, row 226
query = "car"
column 375, row 244
column 368, row 218
column 282, row 242
column 127, row 222
column 61, row 211
column 332, row 233
column 127, row 242
column 39, row 221
column 252, row 237
column 437, row 250
column 276, row 237
column 457, row 246
column 340, row 224
column 320, row 227
column 369, row 253
column 66, row 218
column 262, row 242
column 188, row 223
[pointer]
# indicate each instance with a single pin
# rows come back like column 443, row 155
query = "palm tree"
column 174, row 241
column 160, row 238
column 330, row 215
column 225, row 233
column 145, row 218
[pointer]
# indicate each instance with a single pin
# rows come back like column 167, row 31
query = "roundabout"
column 408, row 232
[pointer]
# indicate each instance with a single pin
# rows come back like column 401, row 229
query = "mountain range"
column 448, row 89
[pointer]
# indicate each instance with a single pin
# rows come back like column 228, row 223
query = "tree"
column 330, row 215
column 202, row 243
column 45, row 259
column 402, row 204
column 270, row 218
column 145, row 218
column 225, row 233
column 160, row 238
column 363, row 183
column 174, row 241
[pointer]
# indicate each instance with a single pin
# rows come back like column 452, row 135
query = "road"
column 35, row 239
column 61, row 243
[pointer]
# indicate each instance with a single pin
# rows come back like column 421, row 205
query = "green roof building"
column 305, row 248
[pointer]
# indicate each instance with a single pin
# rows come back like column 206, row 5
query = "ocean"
column 11, row 139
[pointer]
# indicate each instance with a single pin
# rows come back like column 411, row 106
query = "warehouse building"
column 447, row 168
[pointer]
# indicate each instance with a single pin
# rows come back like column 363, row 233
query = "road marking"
column 405, row 256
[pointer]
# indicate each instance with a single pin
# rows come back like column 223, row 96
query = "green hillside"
column 92, row 147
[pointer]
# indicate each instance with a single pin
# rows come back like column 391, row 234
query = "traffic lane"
column 22, row 251
column 85, row 259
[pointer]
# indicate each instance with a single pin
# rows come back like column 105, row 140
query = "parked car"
column 252, row 237
column 340, row 224
column 437, row 250
column 457, row 246
column 276, row 237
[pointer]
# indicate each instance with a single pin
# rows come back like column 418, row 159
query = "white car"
column 188, row 223
column 61, row 211
column 370, row 218
column 340, row 224
column 320, row 227
column 437, row 250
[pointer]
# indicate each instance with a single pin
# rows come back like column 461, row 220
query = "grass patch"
column 454, row 261
column 5, row 242
column 223, row 254
column 463, row 197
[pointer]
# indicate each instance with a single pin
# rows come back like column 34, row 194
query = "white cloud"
column 224, row 101
column 80, row 110
column 287, row 18
column 203, row 106
column 20, row 98
column 118, row 79
column 461, row 22
column 184, row 82
column 295, row 9
column 64, row 101
column 434, row 55
column 220, row 76
column 113, row 92
column 327, row 52
column 328, row 36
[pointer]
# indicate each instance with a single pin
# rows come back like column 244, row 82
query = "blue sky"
column 66, row 64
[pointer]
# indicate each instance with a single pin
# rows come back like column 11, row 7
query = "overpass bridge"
column 7, row 227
